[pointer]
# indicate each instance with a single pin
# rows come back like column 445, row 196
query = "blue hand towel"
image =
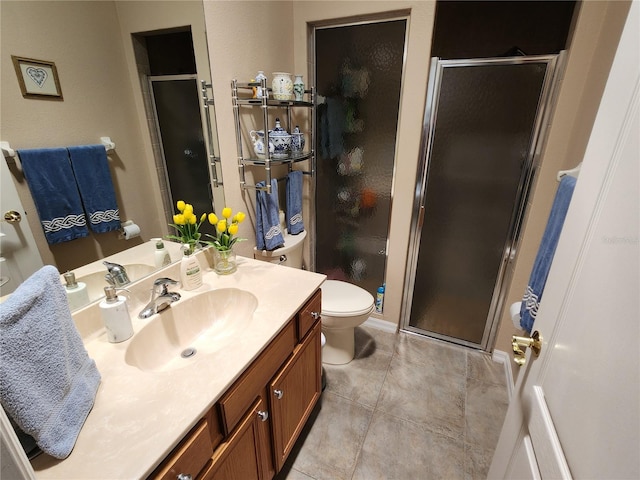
column 48, row 383
column 91, row 168
column 268, row 232
column 55, row 193
column 295, row 225
column 546, row 251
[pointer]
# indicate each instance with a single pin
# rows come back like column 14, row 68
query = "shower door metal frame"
column 389, row 16
column 555, row 65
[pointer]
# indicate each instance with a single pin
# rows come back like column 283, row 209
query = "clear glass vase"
column 225, row 261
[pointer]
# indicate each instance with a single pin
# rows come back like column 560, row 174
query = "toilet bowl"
column 344, row 305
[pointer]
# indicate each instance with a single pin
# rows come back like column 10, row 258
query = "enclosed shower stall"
column 483, row 131
column 358, row 75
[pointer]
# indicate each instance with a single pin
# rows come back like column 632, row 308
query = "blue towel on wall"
column 91, row 169
column 268, row 232
column 48, row 383
column 53, row 187
column 295, row 225
column 546, row 251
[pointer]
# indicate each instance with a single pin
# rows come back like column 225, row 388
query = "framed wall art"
column 37, row 78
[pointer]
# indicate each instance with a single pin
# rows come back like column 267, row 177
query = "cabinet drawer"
column 239, row 397
column 309, row 314
column 190, row 457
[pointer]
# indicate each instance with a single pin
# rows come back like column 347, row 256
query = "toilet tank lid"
column 344, row 299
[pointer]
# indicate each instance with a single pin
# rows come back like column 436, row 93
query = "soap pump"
column 161, row 255
column 77, row 293
column 115, row 316
column 190, row 271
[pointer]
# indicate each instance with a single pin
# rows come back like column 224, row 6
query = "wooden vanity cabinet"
column 251, row 430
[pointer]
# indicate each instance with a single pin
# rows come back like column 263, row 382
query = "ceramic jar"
column 298, row 88
column 259, row 77
column 281, row 141
column 282, row 86
column 297, row 141
column 257, row 137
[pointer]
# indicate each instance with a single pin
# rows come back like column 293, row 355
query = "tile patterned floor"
column 406, row 407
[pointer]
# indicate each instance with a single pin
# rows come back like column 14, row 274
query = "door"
column 483, row 125
column 575, row 409
column 19, row 255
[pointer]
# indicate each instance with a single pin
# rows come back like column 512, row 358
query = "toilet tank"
column 289, row 255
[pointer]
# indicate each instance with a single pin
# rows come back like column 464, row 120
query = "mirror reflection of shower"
column 358, row 78
column 183, row 143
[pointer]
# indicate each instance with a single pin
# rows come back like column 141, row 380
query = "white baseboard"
column 381, row 325
column 503, row 357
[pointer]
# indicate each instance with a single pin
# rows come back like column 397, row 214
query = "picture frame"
column 37, row 78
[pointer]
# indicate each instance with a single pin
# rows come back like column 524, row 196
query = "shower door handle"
column 420, row 217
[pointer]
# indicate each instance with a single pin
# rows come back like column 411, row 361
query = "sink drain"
column 188, row 352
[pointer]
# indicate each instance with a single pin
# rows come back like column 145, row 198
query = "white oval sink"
column 205, row 322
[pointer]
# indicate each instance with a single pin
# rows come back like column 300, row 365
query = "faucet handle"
column 164, row 283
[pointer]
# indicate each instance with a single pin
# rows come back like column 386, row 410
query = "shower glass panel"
column 358, row 78
column 177, row 107
column 484, row 121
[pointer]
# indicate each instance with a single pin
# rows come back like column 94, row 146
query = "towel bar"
column 12, row 157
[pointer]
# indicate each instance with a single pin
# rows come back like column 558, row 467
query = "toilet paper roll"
column 130, row 231
column 514, row 312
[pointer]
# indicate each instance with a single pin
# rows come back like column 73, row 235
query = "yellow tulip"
column 188, row 209
column 178, row 219
column 180, row 205
column 213, row 219
column 192, row 219
column 202, row 217
column 222, row 225
column 233, row 229
column 226, row 212
column 240, row 217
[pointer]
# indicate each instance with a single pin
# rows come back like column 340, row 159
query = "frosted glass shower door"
column 484, row 119
column 358, row 79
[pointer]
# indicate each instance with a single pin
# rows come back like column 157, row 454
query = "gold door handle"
column 519, row 345
column 12, row 216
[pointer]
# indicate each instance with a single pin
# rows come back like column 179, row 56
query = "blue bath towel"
column 268, row 232
column 48, row 383
column 55, row 193
column 91, row 169
column 546, row 251
column 295, row 225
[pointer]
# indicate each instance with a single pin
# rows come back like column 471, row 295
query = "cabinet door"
column 245, row 455
column 294, row 393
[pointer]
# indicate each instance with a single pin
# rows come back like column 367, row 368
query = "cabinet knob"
column 184, row 476
column 263, row 415
column 315, row 315
column 278, row 394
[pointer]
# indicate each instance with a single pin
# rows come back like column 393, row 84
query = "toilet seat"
column 342, row 299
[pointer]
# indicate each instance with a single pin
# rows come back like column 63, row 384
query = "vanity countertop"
column 139, row 417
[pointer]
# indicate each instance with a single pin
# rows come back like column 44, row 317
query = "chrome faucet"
column 161, row 297
column 117, row 275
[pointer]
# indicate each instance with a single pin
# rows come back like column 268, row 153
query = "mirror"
column 103, row 64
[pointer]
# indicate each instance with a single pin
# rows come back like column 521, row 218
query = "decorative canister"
column 259, row 77
column 281, row 141
column 282, row 86
column 297, row 141
column 298, row 88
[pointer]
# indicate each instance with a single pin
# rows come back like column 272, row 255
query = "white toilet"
column 344, row 305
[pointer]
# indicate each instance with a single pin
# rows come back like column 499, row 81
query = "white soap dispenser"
column 77, row 293
column 190, row 271
column 161, row 255
column 115, row 316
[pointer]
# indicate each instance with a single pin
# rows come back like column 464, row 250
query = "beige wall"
column 82, row 38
